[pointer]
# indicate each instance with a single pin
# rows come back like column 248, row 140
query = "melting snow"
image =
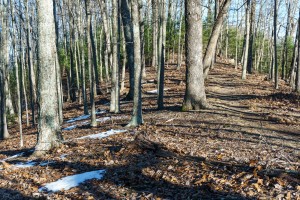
column 104, row 119
column 70, row 128
column 14, row 156
column 155, row 91
column 102, row 135
column 45, row 163
column 82, row 117
column 69, row 182
column 25, row 165
column 63, row 156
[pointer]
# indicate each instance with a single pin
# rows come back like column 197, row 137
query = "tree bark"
column 137, row 117
column 49, row 128
column 195, row 97
column 213, row 40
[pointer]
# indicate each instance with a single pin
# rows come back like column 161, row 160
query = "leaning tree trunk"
column 213, row 40
column 195, row 97
column 137, row 117
column 49, row 128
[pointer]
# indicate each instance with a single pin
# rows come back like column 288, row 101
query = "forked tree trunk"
column 195, row 97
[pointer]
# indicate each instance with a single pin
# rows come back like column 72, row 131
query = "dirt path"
column 246, row 147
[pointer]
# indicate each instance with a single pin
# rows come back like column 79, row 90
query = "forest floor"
column 247, row 146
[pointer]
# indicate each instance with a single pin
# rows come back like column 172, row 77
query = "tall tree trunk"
column 297, row 86
column 179, row 36
column 275, row 45
column 246, row 48
column 251, row 38
column 91, row 62
column 155, row 7
column 128, row 33
column 195, row 97
column 161, row 54
column 4, row 58
column 137, row 117
column 49, row 128
column 115, row 90
column 18, row 86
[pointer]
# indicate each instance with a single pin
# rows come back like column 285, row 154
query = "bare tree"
column 195, row 97
column 48, row 121
column 137, row 117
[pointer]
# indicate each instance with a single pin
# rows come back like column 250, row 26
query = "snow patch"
column 82, row 117
column 14, row 156
column 70, row 128
column 63, row 156
column 45, row 163
column 155, row 91
column 102, row 135
column 104, row 119
column 69, row 182
column 25, row 165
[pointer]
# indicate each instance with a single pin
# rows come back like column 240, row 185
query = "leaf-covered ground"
column 247, row 146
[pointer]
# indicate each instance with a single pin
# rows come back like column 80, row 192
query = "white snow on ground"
column 63, row 156
column 82, row 117
column 25, row 165
column 104, row 119
column 45, row 163
column 69, row 182
column 155, row 91
column 102, row 135
column 70, row 128
column 14, row 156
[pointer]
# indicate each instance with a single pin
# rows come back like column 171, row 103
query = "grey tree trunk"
column 155, row 32
column 246, row 48
column 195, row 97
column 49, row 128
column 4, row 58
column 115, row 90
column 179, row 37
column 91, row 62
column 275, row 44
column 213, row 40
column 137, row 117
column 19, row 100
column 58, row 69
column 128, row 33
column 251, row 38
column 297, row 86
column 32, row 84
column 161, row 54
column 284, row 60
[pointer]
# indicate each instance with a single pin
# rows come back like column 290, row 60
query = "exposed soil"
column 247, row 146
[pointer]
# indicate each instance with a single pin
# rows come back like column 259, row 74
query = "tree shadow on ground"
column 133, row 177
